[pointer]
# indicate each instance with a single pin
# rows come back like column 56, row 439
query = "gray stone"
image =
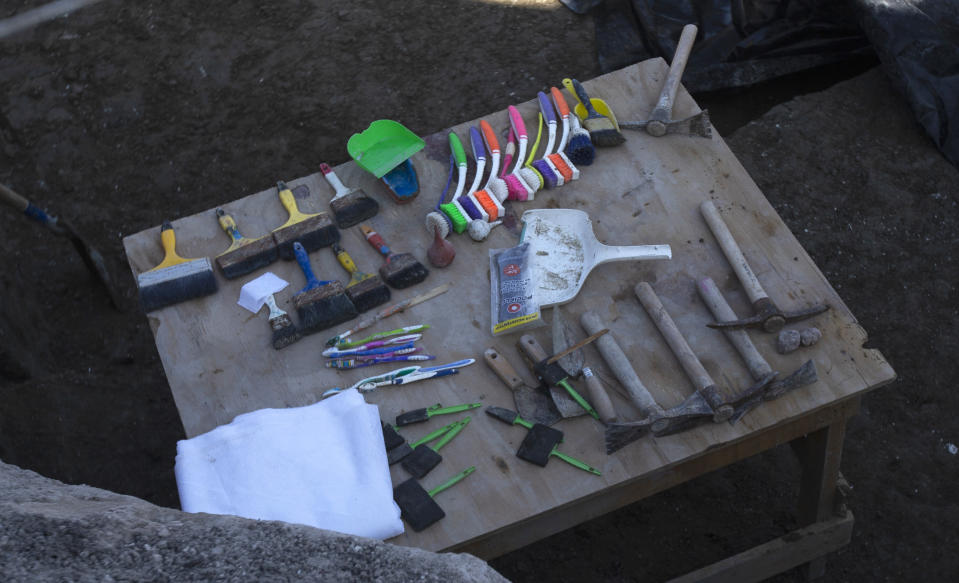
column 787, row 341
column 56, row 532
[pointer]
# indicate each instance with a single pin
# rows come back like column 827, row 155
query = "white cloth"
column 323, row 465
column 253, row 294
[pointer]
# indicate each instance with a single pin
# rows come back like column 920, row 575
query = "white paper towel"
column 253, row 294
column 323, row 465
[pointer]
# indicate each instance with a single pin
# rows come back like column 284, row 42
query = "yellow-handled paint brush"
column 176, row 279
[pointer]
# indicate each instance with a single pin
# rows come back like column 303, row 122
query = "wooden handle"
column 503, row 369
column 532, row 348
column 13, row 199
column 598, row 396
column 618, row 362
column 732, row 251
column 687, row 358
column 664, row 107
column 723, row 312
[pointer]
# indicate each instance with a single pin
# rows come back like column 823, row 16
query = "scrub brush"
column 580, row 148
column 485, row 198
column 436, row 221
column 495, row 185
column 479, row 154
column 441, row 252
column 560, row 160
column 530, row 174
column 452, row 209
column 547, row 169
column 517, row 187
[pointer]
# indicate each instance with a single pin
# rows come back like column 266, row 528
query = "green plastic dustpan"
column 383, row 146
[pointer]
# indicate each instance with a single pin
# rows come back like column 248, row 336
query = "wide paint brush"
column 244, row 255
column 350, row 206
column 175, row 279
column 540, row 442
column 602, row 130
column 400, row 270
column 313, row 231
column 417, row 506
column 320, row 304
column 365, row 290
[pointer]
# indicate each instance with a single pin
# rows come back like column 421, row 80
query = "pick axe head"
column 802, row 376
column 691, row 412
column 752, row 396
column 769, row 317
column 619, row 435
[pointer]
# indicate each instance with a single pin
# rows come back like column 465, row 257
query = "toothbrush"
column 386, row 334
column 373, row 344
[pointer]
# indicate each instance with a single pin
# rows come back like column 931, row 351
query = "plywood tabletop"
column 219, row 363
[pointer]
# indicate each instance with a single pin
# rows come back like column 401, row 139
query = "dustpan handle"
column 608, row 253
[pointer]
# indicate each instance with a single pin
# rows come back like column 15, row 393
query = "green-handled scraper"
column 540, row 442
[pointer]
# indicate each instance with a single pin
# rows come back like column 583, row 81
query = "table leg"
column 819, row 455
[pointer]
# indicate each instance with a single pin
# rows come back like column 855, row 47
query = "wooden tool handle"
column 732, row 251
column 13, row 199
column 618, row 362
column 723, row 312
column 344, row 258
column 376, row 240
column 667, row 327
column 503, row 369
column 532, row 348
column 664, row 107
column 599, row 397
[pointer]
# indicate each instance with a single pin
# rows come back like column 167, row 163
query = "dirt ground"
column 125, row 114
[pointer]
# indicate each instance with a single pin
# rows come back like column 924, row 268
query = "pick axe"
column 769, row 316
column 707, row 401
column 766, row 387
column 661, row 120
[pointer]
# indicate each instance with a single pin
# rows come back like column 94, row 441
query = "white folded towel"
column 323, row 465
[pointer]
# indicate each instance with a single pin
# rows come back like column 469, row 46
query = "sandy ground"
column 121, row 116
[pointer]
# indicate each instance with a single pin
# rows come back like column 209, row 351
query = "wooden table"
column 219, row 363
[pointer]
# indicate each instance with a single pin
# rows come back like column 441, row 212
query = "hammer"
column 769, row 316
column 766, row 386
column 661, row 121
column 707, row 399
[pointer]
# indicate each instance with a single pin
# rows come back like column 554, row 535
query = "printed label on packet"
column 512, row 302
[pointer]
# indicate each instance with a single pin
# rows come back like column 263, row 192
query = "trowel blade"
column 536, row 406
column 563, row 338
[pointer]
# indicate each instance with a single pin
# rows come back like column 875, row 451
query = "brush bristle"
column 438, row 221
column 175, row 284
column 533, row 179
column 549, row 177
column 516, row 188
column 469, row 207
column 353, row 208
column 402, row 270
column 486, row 201
column 497, row 187
column 313, row 233
column 563, row 167
column 285, row 332
column 456, row 218
column 322, row 307
column 602, row 132
column 248, row 258
column 368, row 293
column 580, row 149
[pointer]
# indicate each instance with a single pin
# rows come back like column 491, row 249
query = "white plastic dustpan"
column 563, row 250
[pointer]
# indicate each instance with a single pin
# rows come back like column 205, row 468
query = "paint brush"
column 400, row 270
column 517, row 187
column 417, row 506
column 602, row 130
column 365, row 290
column 560, row 159
column 244, row 255
column 175, row 279
column 425, row 457
column 285, row 331
column 313, row 231
column 350, row 206
column 320, row 304
column 426, row 413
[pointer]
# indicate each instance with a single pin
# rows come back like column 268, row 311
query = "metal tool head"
column 539, row 444
column 694, row 125
column 802, row 376
column 563, row 250
column 691, row 412
column 563, row 338
column 769, row 317
column 619, row 435
column 751, row 397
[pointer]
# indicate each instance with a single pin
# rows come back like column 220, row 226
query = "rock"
column 56, row 532
column 809, row 336
column 787, row 341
